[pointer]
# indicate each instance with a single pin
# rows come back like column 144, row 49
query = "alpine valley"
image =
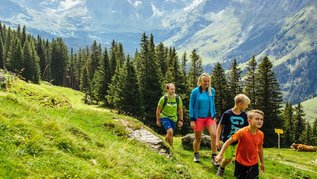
column 221, row 30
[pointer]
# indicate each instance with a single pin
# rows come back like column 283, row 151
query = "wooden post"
column 278, row 131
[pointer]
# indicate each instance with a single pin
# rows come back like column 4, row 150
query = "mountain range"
column 220, row 30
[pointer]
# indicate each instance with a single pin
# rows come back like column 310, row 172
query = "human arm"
column 191, row 108
column 158, row 112
column 181, row 119
column 218, row 134
column 223, row 149
column 260, row 151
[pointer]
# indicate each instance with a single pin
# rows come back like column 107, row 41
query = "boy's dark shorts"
column 244, row 172
column 167, row 123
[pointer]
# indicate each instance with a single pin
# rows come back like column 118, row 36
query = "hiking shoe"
column 196, row 157
column 214, row 162
column 220, row 171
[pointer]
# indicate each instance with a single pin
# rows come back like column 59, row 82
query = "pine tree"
column 1, row 53
column 308, row 135
column 269, row 100
column 99, row 83
column 72, row 71
column 300, row 123
column 23, row 37
column 95, row 58
column 17, row 59
column 314, row 130
column 31, row 64
column 59, row 62
column 162, row 58
column 41, row 53
column 8, row 49
column 184, row 64
column 115, row 94
column 120, row 57
column 234, row 82
column 113, row 58
column 250, row 88
column 46, row 75
column 149, row 79
column 131, row 91
column 195, row 69
column 289, row 127
column 219, row 82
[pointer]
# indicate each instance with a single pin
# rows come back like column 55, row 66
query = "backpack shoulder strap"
column 165, row 102
column 177, row 101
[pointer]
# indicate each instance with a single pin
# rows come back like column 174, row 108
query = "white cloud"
column 68, row 4
column 136, row 3
column 194, row 4
column 156, row 12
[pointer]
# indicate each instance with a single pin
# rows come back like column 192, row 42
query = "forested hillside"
column 133, row 84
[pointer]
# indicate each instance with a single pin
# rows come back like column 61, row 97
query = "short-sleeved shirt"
column 170, row 109
column 248, row 146
column 232, row 123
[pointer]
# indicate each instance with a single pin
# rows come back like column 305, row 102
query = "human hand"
column 262, row 168
column 158, row 123
column 218, row 158
column 192, row 124
column 219, row 144
column 180, row 123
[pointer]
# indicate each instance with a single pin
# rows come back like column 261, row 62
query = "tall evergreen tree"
column 307, row 137
column 120, row 57
column 17, row 59
column 41, row 53
column 289, row 126
column 131, row 91
column 314, row 130
column 162, row 58
column 24, row 36
column 1, row 54
column 269, row 100
column 250, row 88
column 219, row 82
column 8, row 48
column 115, row 94
column 149, row 79
column 99, row 83
column 59, row 61
column 234, row 82
column 184, row 64
column 46, row 75
column 72, row 71
column 195, row 70
column 300, row 123
column 113, row 58
column 31, row 64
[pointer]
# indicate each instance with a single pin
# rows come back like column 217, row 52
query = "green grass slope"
column 47, row 132
column 310, row 109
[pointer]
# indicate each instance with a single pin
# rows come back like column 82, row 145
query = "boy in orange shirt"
column 250, row 147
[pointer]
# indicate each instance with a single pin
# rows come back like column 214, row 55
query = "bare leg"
column 197, row 141
column 225, row 162
column 169, row 136
column 212, row 133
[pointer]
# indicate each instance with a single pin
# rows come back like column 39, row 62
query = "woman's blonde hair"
column 199, row 81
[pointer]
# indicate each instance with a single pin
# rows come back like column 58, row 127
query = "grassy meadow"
column 47, row 132
column 310, row 109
